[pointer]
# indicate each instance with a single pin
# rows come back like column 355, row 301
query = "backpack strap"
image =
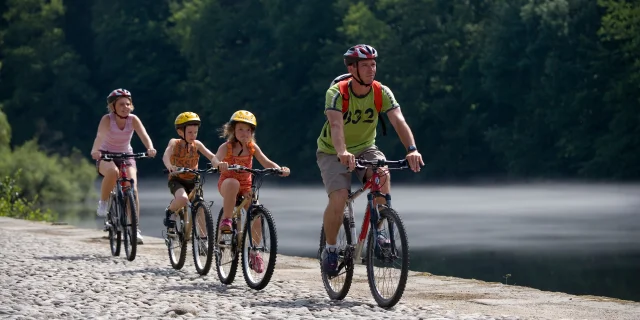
column 377, row 100
column 344, row 92
column 377, row 95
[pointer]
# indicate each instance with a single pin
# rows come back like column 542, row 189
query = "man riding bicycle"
column 350, row 133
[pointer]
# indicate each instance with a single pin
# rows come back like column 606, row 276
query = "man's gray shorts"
column 335, row 175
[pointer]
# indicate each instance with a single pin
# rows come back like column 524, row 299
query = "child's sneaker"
column 169, row 223
column 225, row 225
column 257, row 264
column 102, row 208
column 139, row 238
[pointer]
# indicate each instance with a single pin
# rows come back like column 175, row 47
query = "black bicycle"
column 123, row 213
column 197, row 226
column 258, row 239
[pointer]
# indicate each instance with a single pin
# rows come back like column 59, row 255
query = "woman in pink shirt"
column 114, row 135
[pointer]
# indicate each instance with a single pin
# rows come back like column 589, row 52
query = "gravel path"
column 65, row 272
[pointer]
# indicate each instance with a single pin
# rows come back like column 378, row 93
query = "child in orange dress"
column 240, row 148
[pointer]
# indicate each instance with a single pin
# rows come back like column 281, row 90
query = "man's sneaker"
column 384, row 244
column 102, row 208
column 383, row 241
column 139, row 237
column 225, row 225
column 330, row 261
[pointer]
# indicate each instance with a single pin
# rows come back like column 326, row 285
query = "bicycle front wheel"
column 260, row 248
column 387, row 258
column 202, row 238
column 337, row 287
column 177, row 243
column 130, row 225
column 115, row 236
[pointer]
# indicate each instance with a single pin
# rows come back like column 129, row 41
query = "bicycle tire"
column 202, row 269
column 178, row 263
column 115, row 236
column 130, row 227
column 346, row 255
column 390, row 215
column 227, row 277
column 273, row 249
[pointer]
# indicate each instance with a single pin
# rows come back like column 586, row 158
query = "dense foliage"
column 499, row 88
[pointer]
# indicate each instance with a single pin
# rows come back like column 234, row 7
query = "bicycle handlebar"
column 391, row 164
column 255, row 172
column 196, row 171
column 123, row 155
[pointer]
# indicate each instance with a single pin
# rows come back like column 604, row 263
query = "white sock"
column 330, row 246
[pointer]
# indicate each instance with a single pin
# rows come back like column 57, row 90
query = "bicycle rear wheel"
column 337, row 287
column 227, row 252
column 264, row 249
column 176, row 243
column 115, row 236
column 387, row 258
column 202, row 238
column 130, row 225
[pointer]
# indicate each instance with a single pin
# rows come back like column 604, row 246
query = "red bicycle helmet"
column 359, row 52
column 117, row 93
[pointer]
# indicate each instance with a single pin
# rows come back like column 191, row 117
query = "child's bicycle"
column 123, row 214
column 197, row 226
column 387, row 250
column 257, row 249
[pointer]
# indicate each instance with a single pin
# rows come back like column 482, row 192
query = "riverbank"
column 60, row 271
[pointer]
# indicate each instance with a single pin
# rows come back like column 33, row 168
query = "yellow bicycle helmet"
column 187, row 118
column 244, row 116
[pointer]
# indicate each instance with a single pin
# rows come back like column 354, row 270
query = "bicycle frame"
column 120, row 188
column 256, row 183
column 371, row 215
column 195, row 196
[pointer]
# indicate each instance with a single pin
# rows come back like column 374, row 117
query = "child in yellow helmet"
column 240, row 148
column 184, row 152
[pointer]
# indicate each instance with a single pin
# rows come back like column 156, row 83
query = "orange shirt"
column 243, row 177
column 185, row 155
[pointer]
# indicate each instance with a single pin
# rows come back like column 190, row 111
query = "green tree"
column 132, row 51
column 44, row 89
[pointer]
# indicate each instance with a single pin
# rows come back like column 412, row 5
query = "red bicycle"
column 123, row 214
column 387, row 250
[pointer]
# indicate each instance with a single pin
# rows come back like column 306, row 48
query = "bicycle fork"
column 359, row 243
column 370, row 217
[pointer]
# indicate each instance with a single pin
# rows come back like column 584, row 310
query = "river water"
column 579, row 239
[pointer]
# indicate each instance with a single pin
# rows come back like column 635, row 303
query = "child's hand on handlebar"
column 223, row 166
column 285, row 171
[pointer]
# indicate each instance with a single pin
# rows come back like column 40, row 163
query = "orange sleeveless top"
column 243, row 177
column 185, row 155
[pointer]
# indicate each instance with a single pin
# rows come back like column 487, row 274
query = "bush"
column 49, row 179
column 13, row 205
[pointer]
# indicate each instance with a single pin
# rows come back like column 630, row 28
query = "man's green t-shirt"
column 360, row 120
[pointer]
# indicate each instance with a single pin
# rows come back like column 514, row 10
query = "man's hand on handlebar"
column 347, row 159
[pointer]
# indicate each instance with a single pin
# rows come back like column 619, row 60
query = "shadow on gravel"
column 78, row 258
column 313, row 304
column 162, row 272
